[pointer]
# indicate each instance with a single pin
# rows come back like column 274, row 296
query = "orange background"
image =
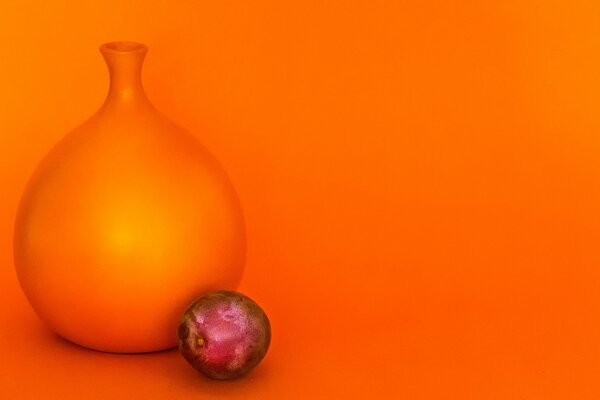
column 421, row 183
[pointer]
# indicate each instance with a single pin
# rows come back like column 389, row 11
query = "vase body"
column 125, row 222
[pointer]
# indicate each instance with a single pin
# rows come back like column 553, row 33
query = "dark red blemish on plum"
column 183, row 331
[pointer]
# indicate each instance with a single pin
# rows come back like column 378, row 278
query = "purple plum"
column 224, row 334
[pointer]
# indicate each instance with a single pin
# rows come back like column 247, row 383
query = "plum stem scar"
column 200, row 341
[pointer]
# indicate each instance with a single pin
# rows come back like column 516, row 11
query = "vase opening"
column 124, row 47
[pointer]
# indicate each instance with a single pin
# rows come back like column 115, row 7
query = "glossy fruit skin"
column 224, row 334
column 125, row 221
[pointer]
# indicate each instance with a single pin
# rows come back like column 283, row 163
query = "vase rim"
column 123, row 47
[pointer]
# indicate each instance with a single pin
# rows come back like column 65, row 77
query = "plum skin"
column 224, row 334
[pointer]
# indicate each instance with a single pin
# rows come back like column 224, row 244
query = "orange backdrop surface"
column 421, row 184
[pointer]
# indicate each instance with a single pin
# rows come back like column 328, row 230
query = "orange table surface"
column 420, row 182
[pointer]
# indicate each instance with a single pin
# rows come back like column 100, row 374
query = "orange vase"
column 125, row 222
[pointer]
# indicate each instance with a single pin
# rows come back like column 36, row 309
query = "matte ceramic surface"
column 125, row 221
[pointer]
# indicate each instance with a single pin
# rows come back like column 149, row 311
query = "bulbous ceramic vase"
column 125, row 222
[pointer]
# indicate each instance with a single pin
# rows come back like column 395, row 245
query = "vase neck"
column 124, row 61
